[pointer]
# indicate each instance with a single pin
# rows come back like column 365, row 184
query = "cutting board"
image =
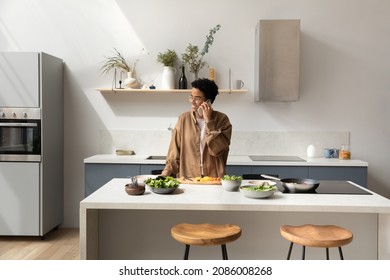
column 194, row 182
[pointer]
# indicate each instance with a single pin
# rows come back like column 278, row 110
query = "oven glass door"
column 20, row 140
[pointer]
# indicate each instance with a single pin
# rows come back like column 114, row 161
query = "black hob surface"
column 277, row 158
column 332, row 187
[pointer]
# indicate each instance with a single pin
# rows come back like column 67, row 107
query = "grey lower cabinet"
column 238, row 169
column 282, row 171
column 152, row 168
column 356, row 174
column 98, row 174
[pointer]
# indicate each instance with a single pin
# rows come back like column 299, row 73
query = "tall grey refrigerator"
column 31, row 143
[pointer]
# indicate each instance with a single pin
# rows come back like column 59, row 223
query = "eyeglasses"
column 196, row 98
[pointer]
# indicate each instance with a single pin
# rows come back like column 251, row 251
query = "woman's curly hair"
column 208, row 87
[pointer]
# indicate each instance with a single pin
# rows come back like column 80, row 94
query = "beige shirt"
column 183, row 158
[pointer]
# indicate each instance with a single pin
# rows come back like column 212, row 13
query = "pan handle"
column 270, row 177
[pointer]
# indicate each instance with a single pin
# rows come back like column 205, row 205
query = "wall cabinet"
column 98, row 174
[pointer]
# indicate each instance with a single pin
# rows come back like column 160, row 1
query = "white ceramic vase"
column 311, row 151
column 130, row 81
column 168, row 78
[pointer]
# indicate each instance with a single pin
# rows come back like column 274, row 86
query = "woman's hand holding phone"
column 204, row 108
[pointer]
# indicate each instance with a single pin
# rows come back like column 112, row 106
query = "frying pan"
column 302, row 185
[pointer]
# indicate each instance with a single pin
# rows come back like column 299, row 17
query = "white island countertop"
column 213, row 197
column 368, row 216
column 232, row 160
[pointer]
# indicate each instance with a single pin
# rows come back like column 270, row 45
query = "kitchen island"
column 114, row 225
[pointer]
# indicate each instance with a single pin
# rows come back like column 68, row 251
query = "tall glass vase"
column 196, row 74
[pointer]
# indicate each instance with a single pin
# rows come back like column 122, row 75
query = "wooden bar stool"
column 205, row 235
column 324, row 236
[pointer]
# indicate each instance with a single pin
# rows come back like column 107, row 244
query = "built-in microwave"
column 20, row 134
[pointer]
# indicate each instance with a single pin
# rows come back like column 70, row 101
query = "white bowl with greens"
column 231, row 183
column 162, row 184
column 263, row 190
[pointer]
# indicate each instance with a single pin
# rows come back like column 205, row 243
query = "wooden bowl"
column 139, row 190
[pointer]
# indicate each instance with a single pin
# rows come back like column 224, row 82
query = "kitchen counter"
column 99, row 169
column 232, row 160
column 111, row 220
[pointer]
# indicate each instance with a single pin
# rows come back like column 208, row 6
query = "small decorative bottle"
column 212, row 73
column 182, row 79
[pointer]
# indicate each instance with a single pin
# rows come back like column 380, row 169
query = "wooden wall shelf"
column 156, row 91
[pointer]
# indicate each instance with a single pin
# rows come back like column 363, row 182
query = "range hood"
column 277, row 51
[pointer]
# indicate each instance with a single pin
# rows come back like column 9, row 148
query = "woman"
column 200, row 141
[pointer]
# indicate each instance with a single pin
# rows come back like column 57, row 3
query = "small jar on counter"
column 344, row 152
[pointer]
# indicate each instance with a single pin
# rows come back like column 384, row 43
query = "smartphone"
column 200, row 110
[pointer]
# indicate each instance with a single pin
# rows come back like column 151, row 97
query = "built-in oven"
column 20, row 134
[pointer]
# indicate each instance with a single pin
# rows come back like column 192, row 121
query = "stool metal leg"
column 289, row 250
column 303, row 252
column 327, row 253
column 224, row 252
column 341, row 254
column 187, row 252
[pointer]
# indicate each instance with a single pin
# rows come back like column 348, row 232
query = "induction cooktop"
column 276, row 158
column 332, row 187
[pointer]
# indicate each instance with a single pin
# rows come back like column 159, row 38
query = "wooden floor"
column 59, row 244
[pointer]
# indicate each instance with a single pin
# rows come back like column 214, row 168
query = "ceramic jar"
column 130, row 81
column 168, row 78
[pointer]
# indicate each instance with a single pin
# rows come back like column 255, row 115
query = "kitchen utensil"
column 188, row 178
column 134, row 182
column 238, row 84
column 328, row 153
column 302, row 185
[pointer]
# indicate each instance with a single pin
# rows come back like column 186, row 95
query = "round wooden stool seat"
column 324, row 236
column 205, row 235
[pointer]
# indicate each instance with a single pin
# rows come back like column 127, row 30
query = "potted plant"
column 194, row 58
column 168, row 59
column 118, row 61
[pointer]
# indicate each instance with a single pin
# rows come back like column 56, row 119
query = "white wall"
column 344, row 68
